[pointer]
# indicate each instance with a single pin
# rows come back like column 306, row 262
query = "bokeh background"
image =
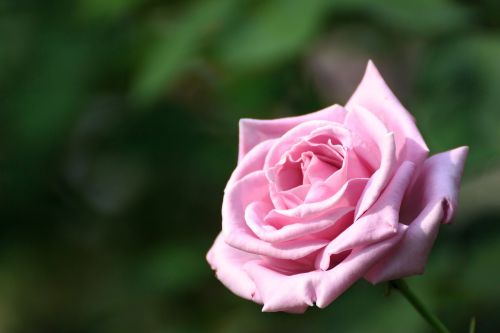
column 118, row 131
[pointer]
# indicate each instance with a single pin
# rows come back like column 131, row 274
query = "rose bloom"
column 319, row 201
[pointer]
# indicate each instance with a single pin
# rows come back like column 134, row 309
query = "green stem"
column 472, row 326
column 403, row 288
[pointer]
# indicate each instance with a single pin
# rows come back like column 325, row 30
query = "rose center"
column 309, row 162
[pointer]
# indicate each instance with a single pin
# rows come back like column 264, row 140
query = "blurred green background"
column 118, row 131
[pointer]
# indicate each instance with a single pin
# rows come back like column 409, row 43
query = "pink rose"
column 319, row 201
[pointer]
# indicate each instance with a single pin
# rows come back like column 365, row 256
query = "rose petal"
column 228, row 262
column 336, row 280
column 317, row 170
column 251, row 188
column 253, row 131
column 288, row 199
column 293, row 250
column 439, row 182
column 312, row 162
column 438, row 178
column 288, row 176
column 378, row 223
column 380, row 178
column 351, row 168
column 253, row 161
column 280, row 292
column 300, row 134
column 294, row 293
column 374, row 95
column 255, row 214
column 347, row 196
column 368, row 131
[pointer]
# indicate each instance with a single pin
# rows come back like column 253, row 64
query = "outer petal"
column 439, row 179
column 352, row 268
column 228, row 262
column 374, row 95
column 280, row 292
column 434, row 193
column 294, row 293
column 253, row 131
column 253, row 161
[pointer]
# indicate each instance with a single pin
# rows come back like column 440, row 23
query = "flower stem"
column 404, row 289
column 472, row 327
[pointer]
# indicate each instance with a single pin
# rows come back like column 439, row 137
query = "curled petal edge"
column 439, row 181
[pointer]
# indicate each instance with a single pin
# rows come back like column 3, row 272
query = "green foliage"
column 273, row 32
column 106, row 10
column 425, row 17
column 118, row 131
column 176, row 48
column 459, row 93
